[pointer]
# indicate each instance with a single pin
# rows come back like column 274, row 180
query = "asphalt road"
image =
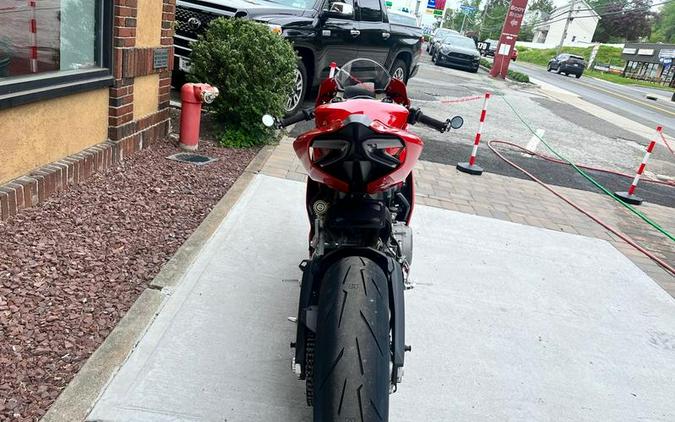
column 627, row 101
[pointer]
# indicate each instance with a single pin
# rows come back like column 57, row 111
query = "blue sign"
column 431, row 4
column 467, row 8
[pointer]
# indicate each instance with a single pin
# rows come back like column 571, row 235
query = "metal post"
column 461, row 30
column 567, row 24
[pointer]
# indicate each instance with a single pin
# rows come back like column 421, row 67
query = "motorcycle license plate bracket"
column 313, row 271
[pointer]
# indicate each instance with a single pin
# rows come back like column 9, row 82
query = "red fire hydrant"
column 192, row 96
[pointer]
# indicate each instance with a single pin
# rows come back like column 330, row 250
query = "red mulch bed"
column 72, row 267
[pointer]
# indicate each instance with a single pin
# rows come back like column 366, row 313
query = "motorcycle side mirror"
column 268, row 120
column 456, row 122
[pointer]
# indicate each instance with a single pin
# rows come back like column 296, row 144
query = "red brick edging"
column 38, row 185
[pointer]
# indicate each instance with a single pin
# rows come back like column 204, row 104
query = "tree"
column 492, row 18
column 543, row 6
column 458, row 16
column 447, row 19
column 622, row 20
column 664, row 25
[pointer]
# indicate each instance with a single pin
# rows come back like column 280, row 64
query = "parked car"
column 567, row 64
column 322, row 31
column 489, row 47
column 437, row 37
column 458, row 51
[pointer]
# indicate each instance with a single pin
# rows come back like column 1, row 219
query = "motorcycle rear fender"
column 313, row 271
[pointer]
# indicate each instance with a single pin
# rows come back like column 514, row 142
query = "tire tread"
column 351, row 366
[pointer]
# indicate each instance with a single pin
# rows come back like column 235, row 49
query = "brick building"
column 83, row 84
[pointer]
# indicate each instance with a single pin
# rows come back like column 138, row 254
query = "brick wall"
column 126, row 134
column 132, row 62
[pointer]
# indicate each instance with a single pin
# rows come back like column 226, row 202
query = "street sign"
column 388, row 3
column 440, row 5
column 467, row 8
column 507, row 40
column 438, row 13
column 431, row 4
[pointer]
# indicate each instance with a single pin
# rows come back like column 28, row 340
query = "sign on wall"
column 667, row 53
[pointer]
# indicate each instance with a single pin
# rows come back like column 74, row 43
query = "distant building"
column 650, row 62
column 582, row 26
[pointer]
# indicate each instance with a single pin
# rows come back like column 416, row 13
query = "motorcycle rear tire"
column 351, row 366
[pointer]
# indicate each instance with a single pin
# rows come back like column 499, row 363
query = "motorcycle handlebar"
column 300, row 116
column 416, row 115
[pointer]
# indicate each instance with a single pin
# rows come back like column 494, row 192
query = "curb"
column 78, row 398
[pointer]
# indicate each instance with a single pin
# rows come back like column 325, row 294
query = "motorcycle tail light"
column 386, row 151
column 324, row 152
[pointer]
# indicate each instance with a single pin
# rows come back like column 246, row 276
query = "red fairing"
column 413, row 149
column 391, row 114
column 388, row 118
column 301, row 146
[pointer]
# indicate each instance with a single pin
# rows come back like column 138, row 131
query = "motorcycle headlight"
column 276, row 29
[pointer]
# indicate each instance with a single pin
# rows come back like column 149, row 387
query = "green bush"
column 485, row 62
column 253, row 69
column 518, row 76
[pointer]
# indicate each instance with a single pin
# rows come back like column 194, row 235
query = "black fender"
column 313, row 271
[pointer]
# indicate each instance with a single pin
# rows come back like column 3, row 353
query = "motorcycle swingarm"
column 313, row 271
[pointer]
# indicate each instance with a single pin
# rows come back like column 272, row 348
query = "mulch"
column 72, row 267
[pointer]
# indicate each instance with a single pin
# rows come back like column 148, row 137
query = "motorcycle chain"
column 309, row 368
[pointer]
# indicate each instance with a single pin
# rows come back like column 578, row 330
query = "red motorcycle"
column 350, row 342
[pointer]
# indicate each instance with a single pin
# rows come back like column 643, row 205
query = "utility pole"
column 567, row 24
column 461, row 30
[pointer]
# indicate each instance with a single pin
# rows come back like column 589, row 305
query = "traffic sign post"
column 507, row 40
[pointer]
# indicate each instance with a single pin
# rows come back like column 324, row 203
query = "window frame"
column 384, row 18
column 30, row 88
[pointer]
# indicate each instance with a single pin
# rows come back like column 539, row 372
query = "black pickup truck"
column 322, row 31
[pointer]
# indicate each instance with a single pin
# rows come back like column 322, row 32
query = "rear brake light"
column 327, row 151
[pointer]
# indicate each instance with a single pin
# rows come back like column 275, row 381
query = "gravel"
column 71, row 267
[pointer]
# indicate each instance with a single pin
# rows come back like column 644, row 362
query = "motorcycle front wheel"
column 351, row 366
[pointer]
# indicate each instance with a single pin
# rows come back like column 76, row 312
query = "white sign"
column 629, row 50
column 505, row 49
column 669, row 54
column 645, row 52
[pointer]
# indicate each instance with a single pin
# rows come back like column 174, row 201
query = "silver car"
column 437, row 37
column 457, row 51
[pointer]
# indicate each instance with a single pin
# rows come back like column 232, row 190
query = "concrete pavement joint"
column 79, row 397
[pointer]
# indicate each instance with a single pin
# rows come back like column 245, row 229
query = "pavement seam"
column 84, row 390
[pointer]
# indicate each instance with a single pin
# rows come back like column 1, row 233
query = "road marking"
column 534, row 142
column 628, row 98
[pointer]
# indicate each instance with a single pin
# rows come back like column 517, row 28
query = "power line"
column 600, row 16
column 548, row 22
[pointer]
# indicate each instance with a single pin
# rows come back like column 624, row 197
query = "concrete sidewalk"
column 512, row 323
column 525, row 202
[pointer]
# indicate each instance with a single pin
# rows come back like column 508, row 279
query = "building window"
column 53, row 47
